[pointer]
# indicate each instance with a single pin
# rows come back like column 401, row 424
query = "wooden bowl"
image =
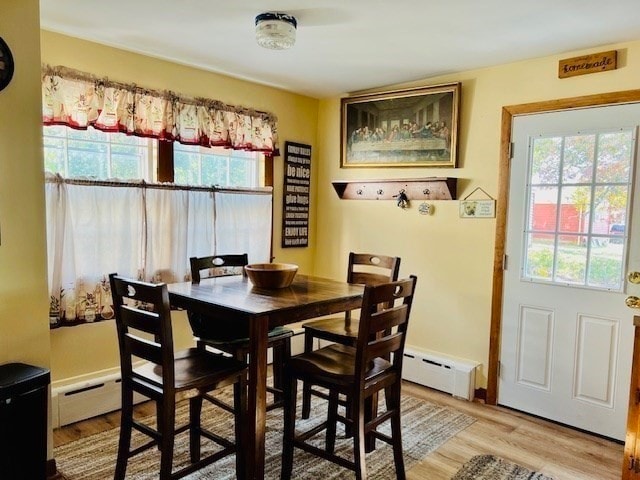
column 271, row 275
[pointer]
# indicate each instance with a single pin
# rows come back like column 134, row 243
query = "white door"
column 567, row 335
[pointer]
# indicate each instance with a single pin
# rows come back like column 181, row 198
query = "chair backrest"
column 143, row 308
column 217, row 265
column 371, row 269
column 383, row 324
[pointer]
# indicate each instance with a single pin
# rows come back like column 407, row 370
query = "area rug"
column 425, row 426
column 489, row 467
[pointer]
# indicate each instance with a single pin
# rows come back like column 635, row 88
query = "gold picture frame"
column 416, row 127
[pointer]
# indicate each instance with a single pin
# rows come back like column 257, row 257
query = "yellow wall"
column 91, row 348
column 452, row 257
column 24, row 305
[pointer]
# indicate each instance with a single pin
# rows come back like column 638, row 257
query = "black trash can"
column 23, row 421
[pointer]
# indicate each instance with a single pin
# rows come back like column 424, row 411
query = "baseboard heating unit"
column 439, row 371
column 87, row 398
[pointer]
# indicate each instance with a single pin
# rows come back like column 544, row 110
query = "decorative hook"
column 403, row 200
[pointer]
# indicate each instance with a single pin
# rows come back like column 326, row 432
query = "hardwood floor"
column 556, row 451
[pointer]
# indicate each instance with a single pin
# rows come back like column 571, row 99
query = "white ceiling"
column 346, row 45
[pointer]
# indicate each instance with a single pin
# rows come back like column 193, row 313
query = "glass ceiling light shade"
column 276, row 30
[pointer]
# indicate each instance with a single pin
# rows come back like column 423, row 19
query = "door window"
column 578, row 208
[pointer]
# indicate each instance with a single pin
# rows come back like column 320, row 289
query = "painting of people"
column 408, row 128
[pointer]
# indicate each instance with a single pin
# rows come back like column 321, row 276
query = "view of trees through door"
column 578, row 201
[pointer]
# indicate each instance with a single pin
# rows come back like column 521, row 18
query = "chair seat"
column 334, row 329
column 194, row 368
column 335, row 362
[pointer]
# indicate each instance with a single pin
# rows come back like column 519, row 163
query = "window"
column 102, row 155
column 98, row 155
column 148, row 230
column 196, row 165
column 578, row 203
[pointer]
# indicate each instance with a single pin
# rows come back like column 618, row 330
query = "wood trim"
column 165, row 162
column 508, row 112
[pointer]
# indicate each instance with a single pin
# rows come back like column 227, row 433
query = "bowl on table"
column 271, row 275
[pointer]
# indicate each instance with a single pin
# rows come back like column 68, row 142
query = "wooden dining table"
column 235, row 298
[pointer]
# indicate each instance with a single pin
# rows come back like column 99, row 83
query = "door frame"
column 504, row 167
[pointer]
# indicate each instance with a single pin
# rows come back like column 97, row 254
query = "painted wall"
column 24, row 304
column 452, row 257
column 92, row 348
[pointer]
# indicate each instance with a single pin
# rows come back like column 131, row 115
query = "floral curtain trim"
column 79, row 100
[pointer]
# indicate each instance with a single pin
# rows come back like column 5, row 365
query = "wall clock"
column 6, row 64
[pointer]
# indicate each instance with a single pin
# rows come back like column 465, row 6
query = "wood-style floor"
column 556, row 451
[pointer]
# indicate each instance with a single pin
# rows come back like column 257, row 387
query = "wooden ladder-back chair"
column 365, row 269
column 143, row 321
column 359, row 373
column 230, row 337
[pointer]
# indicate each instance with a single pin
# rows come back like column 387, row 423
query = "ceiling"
column 346, row 45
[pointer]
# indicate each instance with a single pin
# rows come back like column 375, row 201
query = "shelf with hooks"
column 429, row 188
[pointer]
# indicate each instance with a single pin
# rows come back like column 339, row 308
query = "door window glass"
column 578, row 200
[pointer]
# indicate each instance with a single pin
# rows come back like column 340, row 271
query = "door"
column 567, row 334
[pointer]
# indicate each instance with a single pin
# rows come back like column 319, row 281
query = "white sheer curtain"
column 243, row 222
column 96, row 228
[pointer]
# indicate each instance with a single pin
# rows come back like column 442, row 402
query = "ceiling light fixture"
column 276, row 30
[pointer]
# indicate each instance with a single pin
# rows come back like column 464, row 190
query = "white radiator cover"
column 87, row 398
column 442, row 372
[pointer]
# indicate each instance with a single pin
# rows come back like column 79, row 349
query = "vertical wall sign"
column 297, row 185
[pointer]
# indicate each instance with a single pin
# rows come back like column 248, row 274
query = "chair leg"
column 306, row 387
column 167, row 427
column 290, row 393
column 332, row 421
column 359, row 443
column 195, row 431
column 126, row 418
column 240, row 414
column 370, row 412
column 281, row 355
column 393, row 403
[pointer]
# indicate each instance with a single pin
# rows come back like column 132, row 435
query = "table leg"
column 257, row 397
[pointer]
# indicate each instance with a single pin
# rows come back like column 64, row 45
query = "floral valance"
column 79, row 100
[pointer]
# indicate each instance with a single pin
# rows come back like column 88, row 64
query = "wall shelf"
column 429, row 188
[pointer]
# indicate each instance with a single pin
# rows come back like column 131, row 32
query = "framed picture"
column 403, row 128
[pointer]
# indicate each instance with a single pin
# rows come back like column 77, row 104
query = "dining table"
column 236, row 298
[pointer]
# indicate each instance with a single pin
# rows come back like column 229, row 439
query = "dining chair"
column 143, row 322
column 358, row 372
column 363, row 268
column 233, row 337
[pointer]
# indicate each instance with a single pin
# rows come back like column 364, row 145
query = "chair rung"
column 202, row 463
column 217, row 438
column 373, row 424
column 321, row 394
column 382, row 436
column 219, row 403
column 343, row 462
column 310, row 433
column 142, row 448
column 148, row 431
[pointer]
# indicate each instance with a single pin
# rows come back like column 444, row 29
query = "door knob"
column 632, row 301
column 634, row 277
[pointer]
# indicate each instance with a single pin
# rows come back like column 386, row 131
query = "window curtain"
column 144, row 231
column 78, row 99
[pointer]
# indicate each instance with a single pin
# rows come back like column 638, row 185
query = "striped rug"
column 425, row 426
column 490, row 467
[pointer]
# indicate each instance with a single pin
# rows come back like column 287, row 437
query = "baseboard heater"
column 439, row 371
column 86, row 399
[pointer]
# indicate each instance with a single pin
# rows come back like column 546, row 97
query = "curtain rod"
column 57, row 178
